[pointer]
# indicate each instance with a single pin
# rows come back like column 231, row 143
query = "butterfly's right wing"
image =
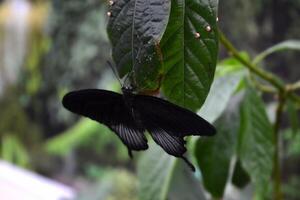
column 108, row 108
column 168, row 123
column 177, row 121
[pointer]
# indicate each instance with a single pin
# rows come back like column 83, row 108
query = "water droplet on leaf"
column 208, row 28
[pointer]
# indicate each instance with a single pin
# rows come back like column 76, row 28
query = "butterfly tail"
column 130, row 153
column 189, row 163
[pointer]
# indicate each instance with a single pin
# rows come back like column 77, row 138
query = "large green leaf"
column 221, row 91
column 189, row 60
column 282, row 46
column 135, row 28
column 164, row 177
column 214, row 154
column 213, row 165
column 255, row 143
column 229, row 74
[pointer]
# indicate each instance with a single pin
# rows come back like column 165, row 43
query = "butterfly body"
column 130, row 115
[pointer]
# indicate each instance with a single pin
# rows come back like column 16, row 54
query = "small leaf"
column 282, row 46
column 240, row 178
column 190, row 61
column 214, row 154
column 135, row 28
column 231, row 65
column 255, row 144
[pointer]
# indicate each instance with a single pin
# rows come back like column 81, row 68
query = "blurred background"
column 50, row 47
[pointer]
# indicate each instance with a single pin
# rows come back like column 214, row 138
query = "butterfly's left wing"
column 108, row 108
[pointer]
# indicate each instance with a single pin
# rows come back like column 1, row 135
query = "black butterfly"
column 130, row 115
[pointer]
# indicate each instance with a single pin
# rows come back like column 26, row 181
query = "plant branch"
column 269, row 77
column 262, row 87
column 258, row 71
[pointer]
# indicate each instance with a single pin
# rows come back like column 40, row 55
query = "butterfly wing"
column 175, row 120
column 168, row 124
column 108, row 108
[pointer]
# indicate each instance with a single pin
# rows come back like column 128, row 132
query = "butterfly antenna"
column 114, row 72
column 189, row 163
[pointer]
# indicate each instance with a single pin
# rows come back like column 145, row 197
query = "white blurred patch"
column 14, row 40
column 17, row 183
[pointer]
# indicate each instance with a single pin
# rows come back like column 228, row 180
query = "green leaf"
column 214, row 154
column 255, row 144
column 282, row 46
column 218, row 98
column 135, row 28
column 240, row 178
column 162, row 177
column 189, row 62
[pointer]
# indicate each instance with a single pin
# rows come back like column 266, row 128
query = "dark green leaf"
column 135, row 28
column 255, row 145
column 214, row 154
column 240, row 178
column 189, row 62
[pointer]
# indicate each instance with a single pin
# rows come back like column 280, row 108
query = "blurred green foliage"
column 113, row 185
column 15, row 127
